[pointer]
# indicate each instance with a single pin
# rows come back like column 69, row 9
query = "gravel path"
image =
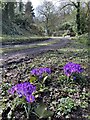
column 59, row 43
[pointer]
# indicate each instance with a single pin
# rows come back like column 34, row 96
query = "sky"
column 35, row 3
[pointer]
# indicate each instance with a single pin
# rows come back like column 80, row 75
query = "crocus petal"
column 24, row 89
column 30, row 98
column 71, row 67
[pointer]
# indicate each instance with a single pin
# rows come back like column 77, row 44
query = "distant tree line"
column 18, row 15
column 50, row 19
column 55, row 19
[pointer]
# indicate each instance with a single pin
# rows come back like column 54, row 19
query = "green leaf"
column 32, row 79
column 68, row 110
column 59, row 113
column 17, row 101
column 43, row 89
column 45, row 78
column 42, row 111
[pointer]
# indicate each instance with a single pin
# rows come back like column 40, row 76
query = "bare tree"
column 48, row 15
column 77, row 6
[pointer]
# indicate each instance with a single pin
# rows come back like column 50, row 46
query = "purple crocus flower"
column 40, row 71
column 30, row 98
column 71, row 67
column 24, row 89
column 74, row 78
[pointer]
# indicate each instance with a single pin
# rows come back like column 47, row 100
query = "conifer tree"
column 29, row 11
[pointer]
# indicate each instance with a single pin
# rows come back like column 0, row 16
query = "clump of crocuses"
column 40, row 71
column 71, row 67
column 25, row 89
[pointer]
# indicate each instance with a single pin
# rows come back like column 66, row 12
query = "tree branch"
column 66, row 6
column 74, row 3
column 71, row 4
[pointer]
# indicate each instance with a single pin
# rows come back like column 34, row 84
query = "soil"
column 60, row 43
column 10, row 60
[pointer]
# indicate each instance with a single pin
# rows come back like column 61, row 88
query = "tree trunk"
column 47, row 28
column 78, row 18
column 88, row 36
column 11, row 10
column 20, row 6
column 5, row 12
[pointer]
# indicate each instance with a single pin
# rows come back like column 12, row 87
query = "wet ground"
column 10, row 51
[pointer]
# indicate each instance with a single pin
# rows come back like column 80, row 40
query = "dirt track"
column 59, row 43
